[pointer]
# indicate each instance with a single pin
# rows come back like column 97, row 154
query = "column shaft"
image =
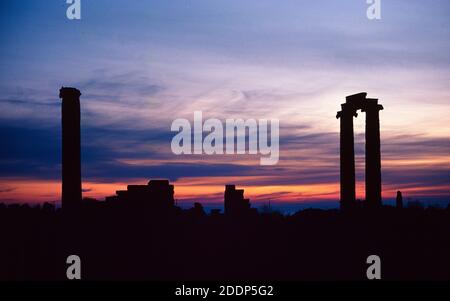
column 71, row 149
column 347, row 153
column 373, row 156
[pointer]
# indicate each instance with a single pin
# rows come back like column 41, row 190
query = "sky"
column 142, row 64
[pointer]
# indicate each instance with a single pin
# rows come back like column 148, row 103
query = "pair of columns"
column 347, row 151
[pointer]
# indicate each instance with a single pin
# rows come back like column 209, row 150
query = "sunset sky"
column 141, row 64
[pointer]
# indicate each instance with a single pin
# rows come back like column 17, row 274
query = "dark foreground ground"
column 124, row 244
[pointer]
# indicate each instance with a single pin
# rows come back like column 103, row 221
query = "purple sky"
column 142, row 64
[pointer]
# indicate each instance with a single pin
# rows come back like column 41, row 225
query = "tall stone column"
column 71, row 163
column 373, row 154
column 347, row 153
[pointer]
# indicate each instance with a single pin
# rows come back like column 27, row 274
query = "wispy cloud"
column 228, row 59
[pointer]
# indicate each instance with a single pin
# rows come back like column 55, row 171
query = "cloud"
column 229, row 59
column 132, row 84
column 7, row 190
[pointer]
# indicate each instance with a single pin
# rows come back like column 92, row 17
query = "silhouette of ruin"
column 141, row 234
column 347, row 150
column 399, row 200
column 155, row 197
column 235, row 203
column 71, row 148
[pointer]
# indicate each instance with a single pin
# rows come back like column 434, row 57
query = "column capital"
column 68, row 92
column 347, row 111
column 371, row 104
column 372, row 108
